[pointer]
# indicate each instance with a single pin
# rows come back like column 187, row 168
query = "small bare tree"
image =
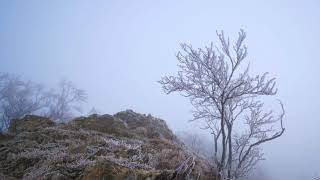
column 19, row 98
column 65, row 101
column 222, row 93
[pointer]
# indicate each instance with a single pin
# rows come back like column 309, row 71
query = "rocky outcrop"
column 127, row 145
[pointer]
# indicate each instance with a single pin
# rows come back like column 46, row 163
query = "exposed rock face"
column 126, row 145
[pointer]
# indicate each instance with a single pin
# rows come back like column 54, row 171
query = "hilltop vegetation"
column 126, row 145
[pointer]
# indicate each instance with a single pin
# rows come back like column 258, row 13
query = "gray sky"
column 117, row 50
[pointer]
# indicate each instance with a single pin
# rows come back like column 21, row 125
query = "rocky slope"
column 126, row 145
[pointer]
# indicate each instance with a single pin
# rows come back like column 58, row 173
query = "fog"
column 118, row 50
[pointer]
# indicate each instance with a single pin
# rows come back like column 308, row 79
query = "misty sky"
column 118, row 50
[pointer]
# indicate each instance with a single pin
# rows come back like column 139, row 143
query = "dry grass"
column 88, row 148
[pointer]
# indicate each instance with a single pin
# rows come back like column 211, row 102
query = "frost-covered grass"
column 73, row 150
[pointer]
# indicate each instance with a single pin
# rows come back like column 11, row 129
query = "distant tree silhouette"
column 65, row 100
column 19, row 98
column 196, row 143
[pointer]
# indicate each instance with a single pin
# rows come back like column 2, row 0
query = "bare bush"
column 222, row 93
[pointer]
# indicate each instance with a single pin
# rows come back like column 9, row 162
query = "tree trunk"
column 223, row 156
column 230, row 151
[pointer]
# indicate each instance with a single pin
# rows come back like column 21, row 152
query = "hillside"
column 126, row 145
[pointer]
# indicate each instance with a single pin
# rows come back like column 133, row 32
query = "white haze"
column 117, row 50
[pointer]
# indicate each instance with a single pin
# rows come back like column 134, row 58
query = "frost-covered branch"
column 223, row 93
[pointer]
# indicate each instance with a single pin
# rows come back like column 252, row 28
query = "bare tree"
column 65, row 101
column 222, row 93
column 19, row 98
